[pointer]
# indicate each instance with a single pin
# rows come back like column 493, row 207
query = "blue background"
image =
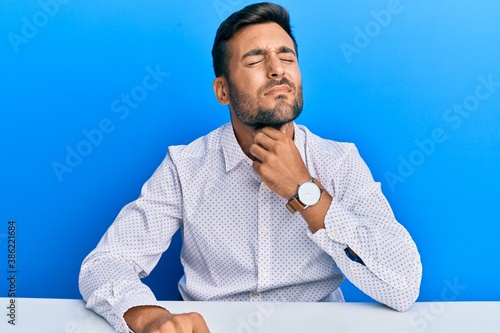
column 383, row 74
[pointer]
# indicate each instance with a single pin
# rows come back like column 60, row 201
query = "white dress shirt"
column 240, row 242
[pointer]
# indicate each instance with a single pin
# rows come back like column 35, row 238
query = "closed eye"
column 255, row 62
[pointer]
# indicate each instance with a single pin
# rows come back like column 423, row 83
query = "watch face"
column 309, row 193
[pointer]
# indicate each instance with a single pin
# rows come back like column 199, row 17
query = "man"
column 268, row 210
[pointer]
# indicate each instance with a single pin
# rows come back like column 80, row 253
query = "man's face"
column 265, row 86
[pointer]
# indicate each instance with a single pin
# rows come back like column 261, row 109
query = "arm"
column 360, row 220
column 354, row 221
column 110, row 275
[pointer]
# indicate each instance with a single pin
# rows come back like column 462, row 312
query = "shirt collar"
column 300, row 140
column 233, row 154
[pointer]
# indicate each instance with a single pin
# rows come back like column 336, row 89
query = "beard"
column 251, row 113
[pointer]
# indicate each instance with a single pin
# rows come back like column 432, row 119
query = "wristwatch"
column 308, row 194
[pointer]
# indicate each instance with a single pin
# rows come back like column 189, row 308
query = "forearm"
column 391, row 269
column 396, row 287
column 111, row 286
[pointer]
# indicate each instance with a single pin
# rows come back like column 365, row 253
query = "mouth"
column 278, row 90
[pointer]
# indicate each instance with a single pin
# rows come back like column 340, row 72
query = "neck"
column 244, row 134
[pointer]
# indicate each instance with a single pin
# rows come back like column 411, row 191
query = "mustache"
column 273, row 83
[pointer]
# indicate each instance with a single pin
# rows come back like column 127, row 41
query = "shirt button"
column 265, row 274
column 263, row 186
column 263, row 230
column 334, row 234
column 255, row 294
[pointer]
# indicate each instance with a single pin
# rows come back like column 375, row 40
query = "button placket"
column 264, row 238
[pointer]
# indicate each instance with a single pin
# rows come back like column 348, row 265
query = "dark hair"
column 264, row 12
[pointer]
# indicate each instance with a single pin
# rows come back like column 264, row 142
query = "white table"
column 70, row 316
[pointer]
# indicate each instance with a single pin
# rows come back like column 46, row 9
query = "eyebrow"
column 260, row 51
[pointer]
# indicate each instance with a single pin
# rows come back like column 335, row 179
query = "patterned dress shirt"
column 240, row 242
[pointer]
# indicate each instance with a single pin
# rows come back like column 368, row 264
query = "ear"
column 221, row 90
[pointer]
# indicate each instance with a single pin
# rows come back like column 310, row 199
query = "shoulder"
column 326, row 147
column 200, row 147
column 335, row 163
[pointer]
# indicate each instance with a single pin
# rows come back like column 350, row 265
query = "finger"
column 264, row 140
column 258, row 152
column 272, row 132
column 202, row 330
column 256, row 165
column 185, row 323
column 200, row 325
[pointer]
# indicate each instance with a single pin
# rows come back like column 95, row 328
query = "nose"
column 275, row 68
